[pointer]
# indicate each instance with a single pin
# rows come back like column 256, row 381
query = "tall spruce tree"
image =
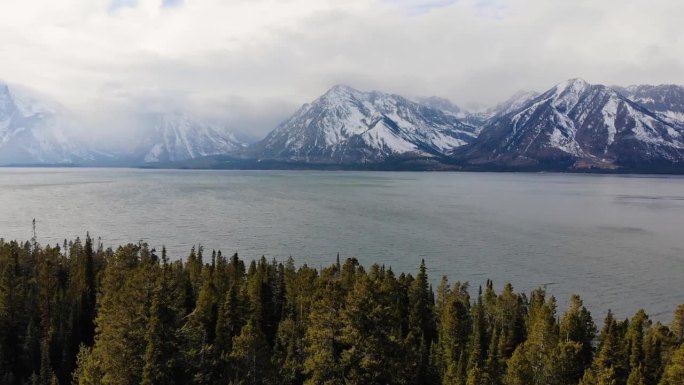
column 323, row 337
column 421, row 323
column 674, row 372
column 161, row 365
column 577, row 326
column 678, row 324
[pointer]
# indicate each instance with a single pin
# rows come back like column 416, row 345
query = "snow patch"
column 609, row 113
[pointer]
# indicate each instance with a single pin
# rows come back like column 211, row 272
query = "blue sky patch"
column 118, row 4
column 171, row 3
column 417, row 7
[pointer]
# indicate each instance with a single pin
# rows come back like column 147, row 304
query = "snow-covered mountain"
column 478, row 117
column 36, row 130
column 515, row 102
column 179, row 136
column 667, row 99
column 440, row 103
column 574, row 125
column 578, row 125
column 350, row 126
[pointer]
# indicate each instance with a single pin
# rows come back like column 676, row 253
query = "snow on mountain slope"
column 177, row 136
column 580, row 123
column 667, row 99
column 479, row 118
column 349, row 126
column 440, row 103
column 515, row 102
column 35, row 130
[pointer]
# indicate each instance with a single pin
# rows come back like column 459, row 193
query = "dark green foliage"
column 678, row 324
column 78, row 314
column 162, row 352
column 577, row 327
column 674, row 372
column 47, row 309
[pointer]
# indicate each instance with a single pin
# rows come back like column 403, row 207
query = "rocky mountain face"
column 178, row 136
column 480, row 118
column 577, row 125
column 667, row 100
column 573, row 126
column 349, row 126
column 35, row 130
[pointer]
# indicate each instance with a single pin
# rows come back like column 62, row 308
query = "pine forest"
column 85, row 315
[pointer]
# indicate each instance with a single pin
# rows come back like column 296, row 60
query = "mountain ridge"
column 347, row 125
column 34, row 129
column 178, row 136
column 574, row 126
column 581, row 124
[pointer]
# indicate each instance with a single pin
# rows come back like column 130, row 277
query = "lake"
column 618, row 241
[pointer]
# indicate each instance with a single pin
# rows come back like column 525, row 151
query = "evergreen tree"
column 678, row 325
column 421, row 323
column 478, row 344
column 123, row 314
column 251, row 356
column 11, row 314
column 371, row 333
column 577, row 326
column 656, row 342
column 454, row 331
column 88, row 371
column 674, row 373
column 323, row 336
column 288, row 354
column 157, row 322
column 162, row 352
column 532, row 360
column 510, row 320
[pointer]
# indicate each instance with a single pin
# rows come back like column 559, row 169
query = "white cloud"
column 250, row 62
column 417, row 7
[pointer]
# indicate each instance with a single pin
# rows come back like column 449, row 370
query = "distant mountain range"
column 34, row 131
column 349, row 126
column 574, row 126
column 177, row 136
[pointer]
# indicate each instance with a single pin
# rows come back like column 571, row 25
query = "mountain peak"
column 35, row 129
column 340, row 86
column 338, row 93
column 341, row 89
column 178, row 135
column 579, row 122
column 515, row 102
column 347, row 126
column 666, row 99
column 575, row 84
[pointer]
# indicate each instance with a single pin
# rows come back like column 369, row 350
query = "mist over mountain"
column 36, row 130
column 178, row 136
column 574, row 125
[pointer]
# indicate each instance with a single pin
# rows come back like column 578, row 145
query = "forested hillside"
column 85, row 315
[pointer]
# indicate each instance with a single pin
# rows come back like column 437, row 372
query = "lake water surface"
column 616, row 240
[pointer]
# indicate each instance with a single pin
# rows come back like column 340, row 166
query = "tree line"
column 84, row 315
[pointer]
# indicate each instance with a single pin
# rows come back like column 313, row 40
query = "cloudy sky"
column 250, row 63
